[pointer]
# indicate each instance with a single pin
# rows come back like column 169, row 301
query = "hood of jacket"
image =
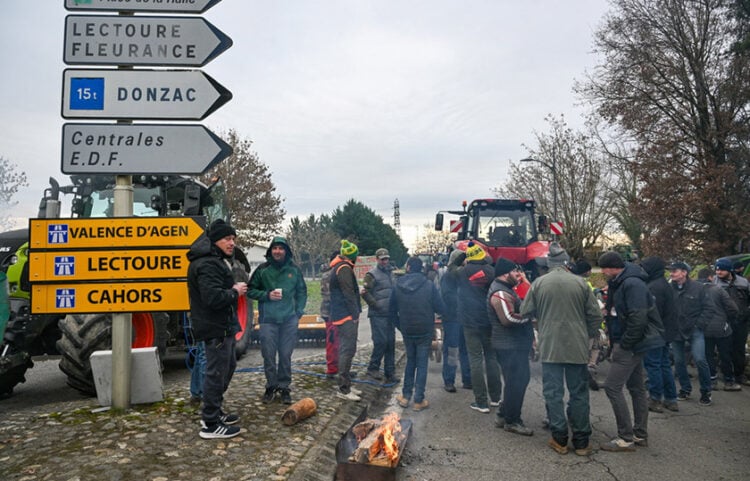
column 654, row 267
column 411, row 281
column 203, row 247
column 278, row 240
column 630, row 270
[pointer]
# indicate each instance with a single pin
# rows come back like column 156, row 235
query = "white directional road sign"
column 185, row 6
column 140, row 94
column 118, row 40
column 140, row 149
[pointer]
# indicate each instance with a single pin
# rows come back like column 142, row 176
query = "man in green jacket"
column 279, row 288
column 568, row 317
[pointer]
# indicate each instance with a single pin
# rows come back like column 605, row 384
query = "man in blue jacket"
column 634, row 328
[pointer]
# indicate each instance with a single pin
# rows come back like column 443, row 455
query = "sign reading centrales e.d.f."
column 168, row 6
column 140, row 149
column 140, row 94
column 118, row 40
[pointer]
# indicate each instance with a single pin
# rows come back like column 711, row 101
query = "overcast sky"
column 424, row 101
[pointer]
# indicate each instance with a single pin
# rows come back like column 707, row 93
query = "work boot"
column 558, row 447
column 420, row 406
column 655, row 406
column 672, row 406
column 519, row 428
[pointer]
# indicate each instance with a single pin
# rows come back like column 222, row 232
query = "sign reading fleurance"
column 116, row 232
column 118, row 40
column 109, row 297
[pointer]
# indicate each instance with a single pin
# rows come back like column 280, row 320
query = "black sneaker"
column 392, row 380
column 705, row 399
column 229, row 419
column 683, row 396
column 219, row 431
column 286, row 396
column 450, row 388
column 269, row 395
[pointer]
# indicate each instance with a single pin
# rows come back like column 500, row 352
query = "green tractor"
column 76, row 336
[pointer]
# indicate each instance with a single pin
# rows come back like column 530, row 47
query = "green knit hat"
column 349, row 249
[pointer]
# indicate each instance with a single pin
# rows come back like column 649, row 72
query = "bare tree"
column 254, row 206
column 10, row 181
column 312, row 241
column 582, row 183
column 670, row 81
column 433, row 242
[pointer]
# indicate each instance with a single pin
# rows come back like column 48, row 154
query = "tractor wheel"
column 13, row 366
column 245, row 318
column 82, row 334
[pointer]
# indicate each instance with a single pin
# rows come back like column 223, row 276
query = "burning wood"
column 378, row 441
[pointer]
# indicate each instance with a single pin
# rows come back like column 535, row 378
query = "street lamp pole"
column 553, row 168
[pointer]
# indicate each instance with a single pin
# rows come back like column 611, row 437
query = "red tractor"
column 504, row 228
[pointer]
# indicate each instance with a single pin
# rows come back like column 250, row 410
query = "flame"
column 390, row 426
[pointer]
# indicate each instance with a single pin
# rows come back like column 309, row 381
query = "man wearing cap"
column 376, row 293
column 568, row 318
column 213, row 314
column 279, row 287
column 474, row 279
column 634, row 328
column 512, row 336
column 690, row 298
column 738, row 289
column 345, row 310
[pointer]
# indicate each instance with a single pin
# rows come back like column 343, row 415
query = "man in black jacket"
column 213, row 312
column 634, row 328
column 661, row 387
column 691, row 301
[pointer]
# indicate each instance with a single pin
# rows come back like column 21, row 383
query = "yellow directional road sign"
column 115, row 232
column 109, row 297
column 62, row 266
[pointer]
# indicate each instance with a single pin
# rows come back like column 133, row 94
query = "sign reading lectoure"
column 118, row 40
column 141, row 94
column 140, row 149
column 114, row 232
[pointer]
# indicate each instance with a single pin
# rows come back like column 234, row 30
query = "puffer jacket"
column 663, row 295
column 414, row 302
column 213, row 302
column 640, row 326
column 720, row 312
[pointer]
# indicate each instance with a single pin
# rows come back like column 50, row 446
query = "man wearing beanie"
column 345, row 309
column 474, row 278
column 213, row 301
column 512, row 336
column 568, row 318
column 279, row 288
column 634, row 327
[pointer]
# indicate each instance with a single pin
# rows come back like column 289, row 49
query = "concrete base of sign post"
column 145, row 376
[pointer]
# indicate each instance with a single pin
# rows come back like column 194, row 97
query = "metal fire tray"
column 348, row 471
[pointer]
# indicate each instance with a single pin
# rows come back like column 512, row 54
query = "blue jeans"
column 698, row 350
column 220, row 364
column 383, row 345
column 515, row 367
column 417, row 358
column 481, row 357
column 554, row 378
column 278, row 340
column 199, row 369
column 660, row 377
column 454, row 342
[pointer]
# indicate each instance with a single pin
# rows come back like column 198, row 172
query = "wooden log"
column 302, row 409
column 364, row 451
column 361, row 430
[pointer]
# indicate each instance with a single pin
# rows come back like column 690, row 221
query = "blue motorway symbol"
column 65, row 298
column 86, row 93
column 65, row 265
column 57, row 233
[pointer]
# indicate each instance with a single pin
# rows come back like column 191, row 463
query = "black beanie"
column 611, row 259
column 503, row 266
column 219, row 230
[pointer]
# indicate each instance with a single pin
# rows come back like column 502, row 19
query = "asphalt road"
column 451, row 441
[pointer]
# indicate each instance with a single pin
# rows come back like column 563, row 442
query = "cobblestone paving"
column 160, row 442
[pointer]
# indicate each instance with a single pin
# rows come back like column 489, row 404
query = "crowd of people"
column 494, row 320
